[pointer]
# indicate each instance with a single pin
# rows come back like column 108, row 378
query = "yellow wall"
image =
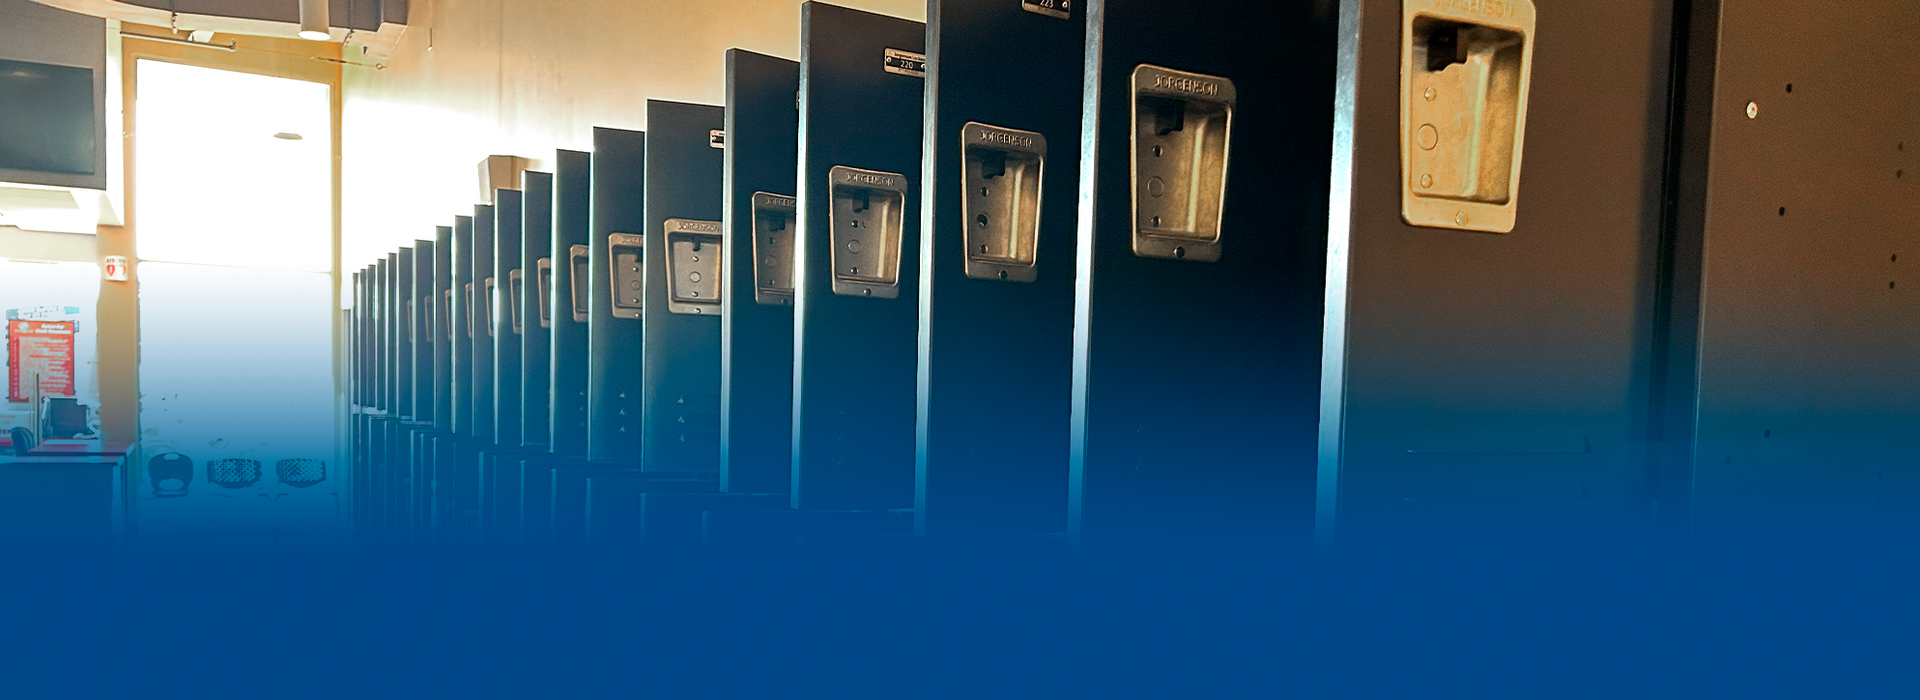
column 524, row 77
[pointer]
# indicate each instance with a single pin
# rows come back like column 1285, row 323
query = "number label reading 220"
column 906, row 63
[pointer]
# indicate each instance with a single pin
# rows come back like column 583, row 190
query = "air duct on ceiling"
column 313, row 20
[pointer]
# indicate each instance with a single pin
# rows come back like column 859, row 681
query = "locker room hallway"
column 973, row 348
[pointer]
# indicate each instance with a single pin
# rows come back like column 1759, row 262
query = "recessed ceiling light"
column 288, row 136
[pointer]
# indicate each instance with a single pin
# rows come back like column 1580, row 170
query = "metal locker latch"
column 1463, row 112
column 582, row 281
column 693, row 267
column 488, row 304
column 543, row 290
column 1182, row 134
column 1000, row 203
column 627, row 254
column 774, row 218
column 868, row 219
column 515, row 293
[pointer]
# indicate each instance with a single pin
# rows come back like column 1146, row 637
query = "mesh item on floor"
column 300, row 473
column 22, row 440
column 234, row 473
column 170, row 473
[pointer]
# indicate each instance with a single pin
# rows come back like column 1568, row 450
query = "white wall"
column 524, row 77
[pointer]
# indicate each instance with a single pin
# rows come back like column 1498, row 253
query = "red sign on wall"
column 45, row 347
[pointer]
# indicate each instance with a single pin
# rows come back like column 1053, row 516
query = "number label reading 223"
column 1052, row 8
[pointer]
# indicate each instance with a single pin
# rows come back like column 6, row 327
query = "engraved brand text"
column 1006, row 138
column 1489, row 8
column 1183, row 84
column 697, row 226
column 865, row 179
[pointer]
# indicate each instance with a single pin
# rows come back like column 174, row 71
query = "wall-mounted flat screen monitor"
column 46, row 118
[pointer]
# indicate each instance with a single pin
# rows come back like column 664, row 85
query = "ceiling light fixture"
column 313, row 20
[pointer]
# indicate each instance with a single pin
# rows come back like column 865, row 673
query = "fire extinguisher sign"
column 43, row 348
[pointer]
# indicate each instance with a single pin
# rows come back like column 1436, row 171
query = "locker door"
column 681, row 373
column 614, row 328
column 855, row 285
column 1801, row 172
column 756, row 364
column 999, row 197
column 1198, row 309
column 1489, row 326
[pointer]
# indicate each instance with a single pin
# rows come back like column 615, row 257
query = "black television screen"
column 46, row 118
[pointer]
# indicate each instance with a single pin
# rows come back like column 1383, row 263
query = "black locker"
column 756, row 363
column 393, row 482
column 1489, row 370
column 617, row 250
column 684, row 297
column 996, row 316
column 680, row 374
column 383, row 271
column 358, row 439
column 460, row 326
column 386, row 272
column 480, row 317
column 440, row 299
column 1792, row 355
column 471, row 473
column 357, row 344
column 617, row 245
column 443, row 329
column 420, row 339
column 572, row 200
column 505, row 318
column 500, row 476
column 535, row 483
column 855, row 282
column 563, row 475
column 399, row 307
column 426, row 347
column 1197, row 347
column 535, row 323
column 455, row 456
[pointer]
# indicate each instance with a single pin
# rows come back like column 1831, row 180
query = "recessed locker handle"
column 515, row 294
column 627, row 254
column 1182, row 141
column 543, row 289
column 580, row 281
column 1000, row 201
column 868, row 221
column 774, row 219
column 693, row 267
column 488, row 305
column 1464, row 76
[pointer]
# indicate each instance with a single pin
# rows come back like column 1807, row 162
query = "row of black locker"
column 1043, row 270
